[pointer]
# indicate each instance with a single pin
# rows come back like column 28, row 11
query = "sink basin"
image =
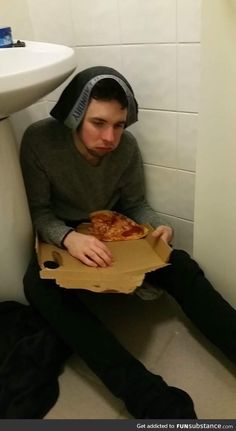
column 29, row 73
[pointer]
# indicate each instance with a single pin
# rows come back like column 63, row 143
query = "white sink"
column 29, row 73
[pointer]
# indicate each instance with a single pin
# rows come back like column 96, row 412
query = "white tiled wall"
column 152, row 71
column 52, row 21
column 152, row 21
column 156, row 45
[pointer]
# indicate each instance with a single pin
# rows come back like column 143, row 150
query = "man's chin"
column 102, row 151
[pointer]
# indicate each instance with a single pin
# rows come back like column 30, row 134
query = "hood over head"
column 74, row 100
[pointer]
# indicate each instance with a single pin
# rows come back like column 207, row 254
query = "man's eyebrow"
column 98, row 118
column 105, row 121
column 121, row 122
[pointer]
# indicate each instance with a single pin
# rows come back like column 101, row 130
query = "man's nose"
column 108, row 134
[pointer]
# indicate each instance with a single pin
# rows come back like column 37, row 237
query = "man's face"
column 102, row 127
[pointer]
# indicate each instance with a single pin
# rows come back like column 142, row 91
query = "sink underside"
column 29, row 73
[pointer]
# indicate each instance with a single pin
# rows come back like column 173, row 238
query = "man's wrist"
column 65, row 237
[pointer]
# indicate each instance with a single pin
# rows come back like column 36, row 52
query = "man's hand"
column 163, row 232
column 88, row 249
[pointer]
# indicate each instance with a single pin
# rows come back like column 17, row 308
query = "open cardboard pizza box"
column 132, row 259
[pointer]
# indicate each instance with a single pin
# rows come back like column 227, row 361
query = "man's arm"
column 86, row 248
column 51, row 229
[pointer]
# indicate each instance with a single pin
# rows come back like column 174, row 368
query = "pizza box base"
column 132, row 260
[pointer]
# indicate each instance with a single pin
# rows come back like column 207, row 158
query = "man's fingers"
column 99, row 257
column 165, row 237
column 165, row 232
column 95, row 256
column 87, row 261
column 157, row 232
column 104, row 248
column 107, row 258
column 92, row 259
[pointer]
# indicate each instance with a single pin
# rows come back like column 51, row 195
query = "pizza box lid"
column 132, row 259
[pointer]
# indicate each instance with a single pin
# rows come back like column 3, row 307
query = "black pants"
column 145, row 395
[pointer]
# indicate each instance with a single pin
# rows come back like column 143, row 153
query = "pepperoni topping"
column 134, row 229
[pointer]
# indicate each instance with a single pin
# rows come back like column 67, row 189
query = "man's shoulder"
column 127, row 151
column 45, row 126
column 129, row 137
column 128, row 142
column 45, row 135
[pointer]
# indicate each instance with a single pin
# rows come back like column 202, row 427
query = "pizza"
column 113, row 226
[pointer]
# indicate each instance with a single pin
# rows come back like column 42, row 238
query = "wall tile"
column 156, row 135
column 183, row 232
column 162, row 188
column 152, row 73
column 52, row 21
column 188, row 20
column 96, row 23
column 55, row 94
column 188, row 81
column 50, row 105
column 187, row 137
column 186, row 189
column 22, row 119
column 170, row 191
column 184, row 235
column 15, row 13
column 99, row 56
column 147, row 21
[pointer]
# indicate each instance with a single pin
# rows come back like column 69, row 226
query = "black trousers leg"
column 203, row 305
column 146, row 395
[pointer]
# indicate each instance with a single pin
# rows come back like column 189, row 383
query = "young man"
column 81, row 161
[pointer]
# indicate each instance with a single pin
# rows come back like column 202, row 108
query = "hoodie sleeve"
column 50, row 228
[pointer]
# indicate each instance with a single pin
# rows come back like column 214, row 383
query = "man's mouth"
column 105, row 149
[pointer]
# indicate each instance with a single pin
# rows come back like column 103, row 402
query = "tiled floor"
column 157, row 333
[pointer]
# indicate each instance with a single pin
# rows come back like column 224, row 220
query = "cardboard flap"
column 122, row 285
column 132, row 259
column 161, row 248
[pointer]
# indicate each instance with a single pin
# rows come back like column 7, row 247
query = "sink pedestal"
column 26, row 75
column 16, row 239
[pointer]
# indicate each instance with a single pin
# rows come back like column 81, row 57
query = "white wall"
column 215, row 213
column 155, row 44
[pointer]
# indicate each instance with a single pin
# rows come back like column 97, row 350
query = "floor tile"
column 157, row 333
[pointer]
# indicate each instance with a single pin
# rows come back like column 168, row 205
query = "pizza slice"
column 112, row 226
